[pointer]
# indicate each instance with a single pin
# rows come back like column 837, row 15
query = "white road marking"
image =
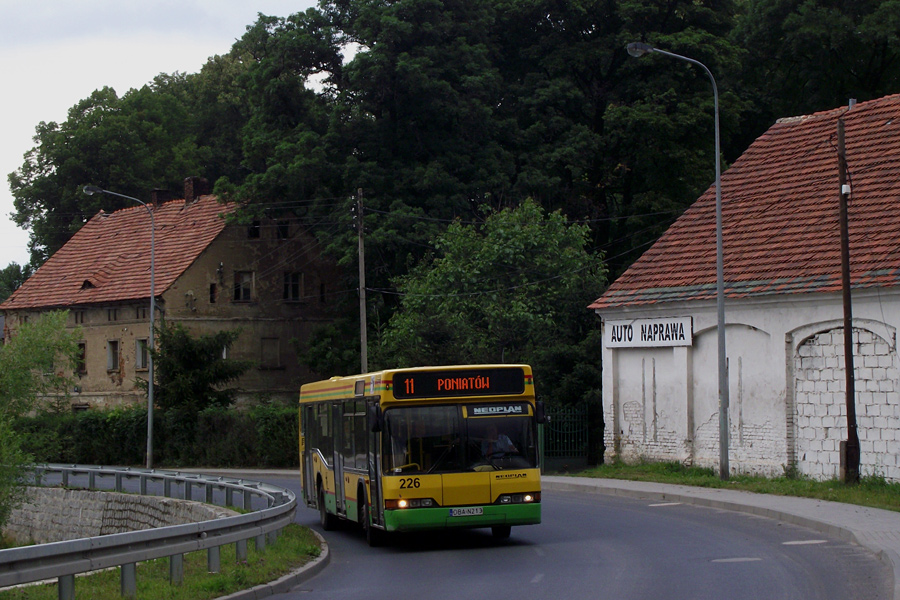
column 537, row 578
column 736, row 560
column 804, row 542
column 667, row 504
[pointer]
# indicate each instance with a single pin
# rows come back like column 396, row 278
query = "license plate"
column 466, row 512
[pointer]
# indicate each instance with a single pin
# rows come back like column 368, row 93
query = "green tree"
column 12, row 465
column 192, row 375
column 12, row 277
column 433, row 108
column 150, row 138
column 804, row 56
column 192, row 372
column 39, row 358
column 133, row 144
column 449, row 105
column 509, row 289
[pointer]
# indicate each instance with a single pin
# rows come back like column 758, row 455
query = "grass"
column 870, row 491
column 295, row 546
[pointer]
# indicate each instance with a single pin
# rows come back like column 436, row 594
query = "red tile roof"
column 108, row 260
column 780, row 203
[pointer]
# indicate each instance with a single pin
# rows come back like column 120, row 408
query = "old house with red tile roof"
column 267, row 279
column 782, row 276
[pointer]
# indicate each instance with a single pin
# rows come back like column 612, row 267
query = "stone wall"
column 56, row 514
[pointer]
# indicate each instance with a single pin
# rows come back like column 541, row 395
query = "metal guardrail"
column 63, row 560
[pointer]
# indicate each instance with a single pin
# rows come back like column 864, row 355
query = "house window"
column 112, row 355
column 270, row 356
column 79, row 317
column 141, row 354
column 293, row 287
column 212, row 293
column 140, row 313
column 243, row 286
column 283, row 230
column 81, row 359
column 253, row 230
column 112, row 314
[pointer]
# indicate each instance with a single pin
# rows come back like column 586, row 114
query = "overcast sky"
column 54, row 53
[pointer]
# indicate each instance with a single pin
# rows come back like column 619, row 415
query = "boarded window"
column 141, row 354
column 243, row 286
column 112, row 355
column 270, row 353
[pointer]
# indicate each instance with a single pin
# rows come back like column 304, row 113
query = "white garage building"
column 784, row 317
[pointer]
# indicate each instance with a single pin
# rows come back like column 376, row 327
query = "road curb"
column 287, row 582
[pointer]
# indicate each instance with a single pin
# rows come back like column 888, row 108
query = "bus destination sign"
column 459, row 383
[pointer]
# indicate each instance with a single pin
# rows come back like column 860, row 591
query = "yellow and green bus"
column 423, row 448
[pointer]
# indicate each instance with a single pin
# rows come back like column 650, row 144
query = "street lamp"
column 638, row 49
column 90, row 190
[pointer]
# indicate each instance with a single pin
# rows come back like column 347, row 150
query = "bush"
column 279, row 427
column 214, row 448
column 265, row 436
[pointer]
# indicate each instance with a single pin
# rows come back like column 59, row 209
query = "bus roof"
column 381, row 383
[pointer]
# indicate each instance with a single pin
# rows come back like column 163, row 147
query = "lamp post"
column 90, row 190
column 638, row 49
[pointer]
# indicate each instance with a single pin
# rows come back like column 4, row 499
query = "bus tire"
column 374, row 536
column 328, row 521
column 501, row 532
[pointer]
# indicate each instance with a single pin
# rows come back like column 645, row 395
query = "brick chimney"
column 158, row 196
column 194, row 187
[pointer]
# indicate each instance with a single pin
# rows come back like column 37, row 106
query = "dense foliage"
column 38, row 360
column 264, row 436
column 192, row 376
column 510, row 288
column 438, row 109
column 12, row 277
column 192, row 372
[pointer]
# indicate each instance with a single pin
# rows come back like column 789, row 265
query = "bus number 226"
column 409, row 482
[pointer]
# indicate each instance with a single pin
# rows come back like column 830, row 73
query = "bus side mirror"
column 376, row 419
column 540, row 414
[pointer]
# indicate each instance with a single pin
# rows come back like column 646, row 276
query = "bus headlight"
column 409, row 503
column 519, row 498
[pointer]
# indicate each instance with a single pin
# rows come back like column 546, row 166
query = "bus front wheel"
column 328, row 521
column 374, row 536
column 501, row 532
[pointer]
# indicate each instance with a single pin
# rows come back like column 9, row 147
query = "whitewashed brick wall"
column 821, row 411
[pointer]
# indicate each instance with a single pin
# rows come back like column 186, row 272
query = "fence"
column 63, row 560
column 566, row 438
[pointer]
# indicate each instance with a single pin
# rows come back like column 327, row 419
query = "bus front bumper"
column 418, row 519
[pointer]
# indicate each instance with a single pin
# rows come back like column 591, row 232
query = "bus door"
column 311, row 445
column 338, row 457
column 374, row 464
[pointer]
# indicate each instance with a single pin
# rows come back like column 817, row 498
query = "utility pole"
column 363, row 336
column 849, row 447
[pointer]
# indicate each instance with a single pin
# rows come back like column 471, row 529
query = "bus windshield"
column 439, row 439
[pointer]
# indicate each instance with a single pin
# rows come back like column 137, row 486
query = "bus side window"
column 310, row 428
column 347, row 437
column 360, row 433
column 354, row 440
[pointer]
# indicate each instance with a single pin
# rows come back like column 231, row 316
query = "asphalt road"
column 596, row 546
